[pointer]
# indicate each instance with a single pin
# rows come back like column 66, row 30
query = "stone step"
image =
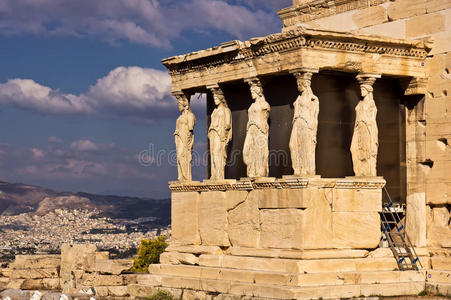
column 439, row 288
column 288, row 253
column 281, row 278
column 299, row 254
column 298, row 266
column 441, row 263
column 439, row 276
column 278, row 291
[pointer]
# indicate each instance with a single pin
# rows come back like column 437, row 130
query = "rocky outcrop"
column 63, row 202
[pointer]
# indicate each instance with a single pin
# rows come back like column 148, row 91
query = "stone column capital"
column 252, row 79
column 177, row 93
column 303, row 70
column 367, row 79
column 213, row 86
column 368, row 75
column 182, row 98
column 215, row 90
column 303, row 77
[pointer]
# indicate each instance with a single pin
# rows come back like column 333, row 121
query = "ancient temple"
column 305, row 129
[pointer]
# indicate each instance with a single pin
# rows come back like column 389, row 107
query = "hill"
column 17, row 198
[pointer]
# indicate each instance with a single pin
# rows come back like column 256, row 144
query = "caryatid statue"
column 255, row 150
column 365, row 142
column 184, row 137
column 219, row 134
column 305, row 127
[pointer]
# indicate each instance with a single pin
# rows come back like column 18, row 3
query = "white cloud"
column 131, row 88
column 87, row 145
column 151, row 22
column 129, row 92
column 25, row 93
column 37, row 153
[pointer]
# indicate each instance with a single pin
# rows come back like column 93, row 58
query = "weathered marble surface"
column 184, row 138
column 305, row 126
column 365, row 141
column 255, row 150
column 219, row 134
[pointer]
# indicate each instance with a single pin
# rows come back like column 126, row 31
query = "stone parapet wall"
column 32, row 272
column 314, row 214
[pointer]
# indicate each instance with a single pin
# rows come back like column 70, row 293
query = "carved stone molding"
column 414, row 86
column 298, row 38
column 360, row 183
column 283, row 183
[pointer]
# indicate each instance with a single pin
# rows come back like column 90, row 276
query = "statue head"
column 304, row 81
column 256, row 89
column 182, row 101
column 218, row 97
column 365, row 90
column 366, row 85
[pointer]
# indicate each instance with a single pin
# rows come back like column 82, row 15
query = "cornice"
column 295, row 39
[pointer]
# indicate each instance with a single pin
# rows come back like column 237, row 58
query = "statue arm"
column 191, row 122
column 229, row 125
column 267, row 107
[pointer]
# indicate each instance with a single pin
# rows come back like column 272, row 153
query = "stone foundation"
column 290, row 274
column 213, row 273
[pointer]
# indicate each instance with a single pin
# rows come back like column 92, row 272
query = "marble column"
column 184, row 137
column 219, row 134
column 303, row 137
column 255, row 150
column 365, row 143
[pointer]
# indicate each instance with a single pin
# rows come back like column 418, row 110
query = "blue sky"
column 85, row 103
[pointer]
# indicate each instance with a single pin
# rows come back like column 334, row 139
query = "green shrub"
column 162, row 295
column 423, row 293
column 149, row 253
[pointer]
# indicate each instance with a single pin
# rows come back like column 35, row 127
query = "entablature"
column 301, row 47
